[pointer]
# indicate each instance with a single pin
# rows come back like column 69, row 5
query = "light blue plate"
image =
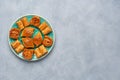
column 51, row 34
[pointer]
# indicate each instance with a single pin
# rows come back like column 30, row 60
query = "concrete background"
column 87, row 40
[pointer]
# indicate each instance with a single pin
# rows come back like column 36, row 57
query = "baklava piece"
column 19, row 48
column 27, row 54
column 46, row 30
column 27, row 32
column 20, row 24
column 43, row 26
column 37, row 53
column 25, row 21
column 47, row 42
column 28, row 42
column 14, row 33
column 35, row 21
column 40, row 51
column 37, row 40
column 15, row 44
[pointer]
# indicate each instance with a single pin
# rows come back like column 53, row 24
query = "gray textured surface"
column 87, row 40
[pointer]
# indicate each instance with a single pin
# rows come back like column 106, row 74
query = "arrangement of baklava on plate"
column 31, row 37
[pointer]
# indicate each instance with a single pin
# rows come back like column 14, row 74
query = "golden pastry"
column 19, row 48
column 25, row 21
column 27, row 54
column 35, row 21
column 37, row 40
column 15, row 44
column 43, row 26
column 14, row 33
column 27, row 32
column 43, row 50
column 47, row 42
column 46, row 30
column 37, row 53
column 20, row 24
column 28, row 42
column 40, row 51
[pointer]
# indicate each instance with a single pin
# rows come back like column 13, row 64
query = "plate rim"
column 54, row 39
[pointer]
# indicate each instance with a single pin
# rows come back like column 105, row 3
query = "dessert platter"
column 31, row 37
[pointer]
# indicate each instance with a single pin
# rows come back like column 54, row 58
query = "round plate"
column 51, row 34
